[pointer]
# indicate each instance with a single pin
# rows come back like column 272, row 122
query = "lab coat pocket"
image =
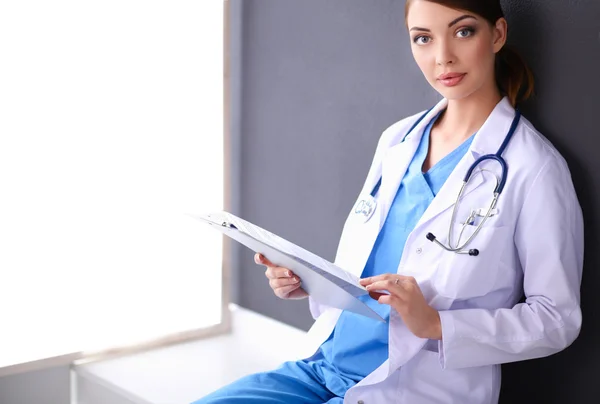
column 462, row 276
column 423, row 381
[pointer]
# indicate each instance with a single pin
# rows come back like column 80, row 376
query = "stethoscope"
column 366, row 206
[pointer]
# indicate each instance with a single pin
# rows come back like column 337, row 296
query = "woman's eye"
column 465, row 32
column 422, row 40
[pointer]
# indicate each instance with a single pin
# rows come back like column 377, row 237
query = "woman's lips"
column 451, row 80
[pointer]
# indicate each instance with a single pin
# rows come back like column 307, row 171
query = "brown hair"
column 513, row 76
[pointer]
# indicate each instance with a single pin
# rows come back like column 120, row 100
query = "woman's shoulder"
column 533, row 158
column 537, row 147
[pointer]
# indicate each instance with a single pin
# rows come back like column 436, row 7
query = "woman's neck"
column 464, row 117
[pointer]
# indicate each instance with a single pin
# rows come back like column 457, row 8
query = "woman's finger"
column 377, row 295
column 262, row 260
column 388, row 299
column 377, row 278
column 282, row 282
column 285, row 291
column 388, row 285
column 385, row 277
column 278, row 272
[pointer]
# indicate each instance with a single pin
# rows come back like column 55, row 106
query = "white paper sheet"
column 324, row 281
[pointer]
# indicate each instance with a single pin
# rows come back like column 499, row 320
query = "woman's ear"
column 500, row 31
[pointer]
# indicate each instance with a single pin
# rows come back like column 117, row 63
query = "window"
column 111, row 132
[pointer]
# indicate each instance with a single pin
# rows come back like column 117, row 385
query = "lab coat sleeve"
column 549, row 242
column 316, row 308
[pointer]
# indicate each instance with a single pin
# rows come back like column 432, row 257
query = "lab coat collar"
column 417, row 133
column 488, row 139
column 397, row 159
column 493, row 132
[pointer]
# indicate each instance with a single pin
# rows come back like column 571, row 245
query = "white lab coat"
column 534, row 244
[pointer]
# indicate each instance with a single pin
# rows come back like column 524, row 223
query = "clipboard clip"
column 229, row 225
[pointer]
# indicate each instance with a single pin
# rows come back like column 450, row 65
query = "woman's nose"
column 444, row 55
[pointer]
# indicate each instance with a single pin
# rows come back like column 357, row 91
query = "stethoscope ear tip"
column 474, row 252
column 430, row 237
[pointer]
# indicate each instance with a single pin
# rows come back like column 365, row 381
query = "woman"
column 448, row 277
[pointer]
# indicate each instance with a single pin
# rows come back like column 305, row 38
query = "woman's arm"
column 549, row 241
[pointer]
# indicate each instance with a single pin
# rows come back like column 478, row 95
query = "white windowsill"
column 183, row 373
column 40, row 352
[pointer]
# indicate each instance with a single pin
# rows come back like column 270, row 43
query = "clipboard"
column 325, row 282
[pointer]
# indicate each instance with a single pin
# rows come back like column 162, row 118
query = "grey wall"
column 48, row 386
column 235, row 11
column 321, row 79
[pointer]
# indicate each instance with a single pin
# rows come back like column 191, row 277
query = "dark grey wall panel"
column 236, row 24
column 321, row 79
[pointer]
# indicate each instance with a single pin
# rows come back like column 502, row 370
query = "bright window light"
column 111, row 132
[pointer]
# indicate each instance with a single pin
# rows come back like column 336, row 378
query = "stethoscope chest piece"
column 365, row 208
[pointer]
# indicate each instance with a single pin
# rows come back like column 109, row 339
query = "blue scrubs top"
column 359, row 345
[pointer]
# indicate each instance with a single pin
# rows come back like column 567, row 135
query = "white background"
column 110, row 132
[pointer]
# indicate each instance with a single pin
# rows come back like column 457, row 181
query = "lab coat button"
column 360, row 402
column 419, row 250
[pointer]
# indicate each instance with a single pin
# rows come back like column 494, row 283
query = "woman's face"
column 454, row 49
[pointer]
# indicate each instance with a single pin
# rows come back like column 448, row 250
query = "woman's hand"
column 284, row 283
column 406, row 298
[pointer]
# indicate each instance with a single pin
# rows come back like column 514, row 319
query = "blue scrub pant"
column 299, row 382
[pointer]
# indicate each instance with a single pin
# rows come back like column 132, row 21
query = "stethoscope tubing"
column 500, row 184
